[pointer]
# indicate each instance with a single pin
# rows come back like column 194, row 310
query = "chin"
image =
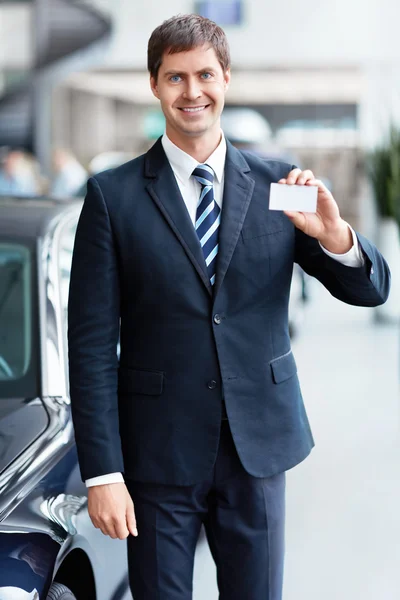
column 193, row 131
column 197, row 128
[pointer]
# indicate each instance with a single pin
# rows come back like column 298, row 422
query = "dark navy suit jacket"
column 138, row 270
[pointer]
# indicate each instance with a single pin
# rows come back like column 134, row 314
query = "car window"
column 65, row 250
column 15, row 311
column 64, row 261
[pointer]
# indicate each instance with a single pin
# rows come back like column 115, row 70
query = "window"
column 65, row 251
column 64, row 261
column 15, row 311
column 223, row 12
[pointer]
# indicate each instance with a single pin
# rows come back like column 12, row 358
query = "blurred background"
column 317, row 84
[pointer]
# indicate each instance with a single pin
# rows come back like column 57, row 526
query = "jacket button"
column 217, row 319
column 212, row 384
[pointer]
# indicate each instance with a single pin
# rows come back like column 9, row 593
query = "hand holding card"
column 310, row 206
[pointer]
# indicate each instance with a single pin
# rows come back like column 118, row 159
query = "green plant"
column 384, row 173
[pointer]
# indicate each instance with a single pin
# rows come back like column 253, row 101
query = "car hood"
column 22, row 421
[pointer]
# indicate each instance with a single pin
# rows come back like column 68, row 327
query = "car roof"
column 30, row 218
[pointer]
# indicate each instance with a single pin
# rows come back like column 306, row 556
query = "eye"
column 175, row 78
column 206, row 75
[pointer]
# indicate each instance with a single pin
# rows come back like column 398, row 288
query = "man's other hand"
column 111, row 510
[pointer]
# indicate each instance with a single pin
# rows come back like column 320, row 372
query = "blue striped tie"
column 208, row 217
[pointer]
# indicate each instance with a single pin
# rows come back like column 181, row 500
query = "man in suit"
column 177, row 252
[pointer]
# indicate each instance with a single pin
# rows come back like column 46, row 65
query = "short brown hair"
column 183, row 33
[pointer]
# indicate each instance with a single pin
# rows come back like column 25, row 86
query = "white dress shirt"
column 183, row 166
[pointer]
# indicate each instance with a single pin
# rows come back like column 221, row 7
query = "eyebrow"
column 173, row 72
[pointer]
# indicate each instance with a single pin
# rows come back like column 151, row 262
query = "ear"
column 227, row 79
column 154, row 87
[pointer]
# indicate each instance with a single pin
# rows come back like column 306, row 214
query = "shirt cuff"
column 353, row 258
column 105, row 479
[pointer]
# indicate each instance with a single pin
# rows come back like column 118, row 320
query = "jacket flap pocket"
column 136, row 381
column 265, row 225
column 260, row 230
column 283, row 367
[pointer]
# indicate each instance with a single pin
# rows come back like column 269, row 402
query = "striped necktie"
column 208, row 217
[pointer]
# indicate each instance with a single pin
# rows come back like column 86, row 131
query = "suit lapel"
column 165, row 192
column 238, row 190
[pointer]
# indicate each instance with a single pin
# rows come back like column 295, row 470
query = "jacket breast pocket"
column 283, row 367
column 264, row 225
column 140, row 381
column 260, row 231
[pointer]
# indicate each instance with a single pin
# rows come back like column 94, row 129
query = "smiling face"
column 191, row 87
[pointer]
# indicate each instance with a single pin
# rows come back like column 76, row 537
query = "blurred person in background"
column 102, row 162
column 248, row 130
column 18, row 175
column 178, row 254
column 69, row 175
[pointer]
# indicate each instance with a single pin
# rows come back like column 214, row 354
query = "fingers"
column 316, row 182
column 114, row 527
column 293, row 176
column 121, row 529
column 111, row 510
column 297, row 218
column 131, row 520
column 298, row 177
column 305, row 177
column 326, row 196
column 107, row 525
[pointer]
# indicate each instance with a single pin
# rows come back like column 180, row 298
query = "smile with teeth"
column 194, row 108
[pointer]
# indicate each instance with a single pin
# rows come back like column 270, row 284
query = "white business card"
column 301, row 198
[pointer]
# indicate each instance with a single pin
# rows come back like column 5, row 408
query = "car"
column 48, row 545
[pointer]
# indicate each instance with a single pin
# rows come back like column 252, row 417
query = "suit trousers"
column 243, row 517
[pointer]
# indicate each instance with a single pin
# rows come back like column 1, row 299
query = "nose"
column 192, row 91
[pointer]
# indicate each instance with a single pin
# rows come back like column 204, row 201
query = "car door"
column 22, row 415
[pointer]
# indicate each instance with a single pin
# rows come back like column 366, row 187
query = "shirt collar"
column 183, row 164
